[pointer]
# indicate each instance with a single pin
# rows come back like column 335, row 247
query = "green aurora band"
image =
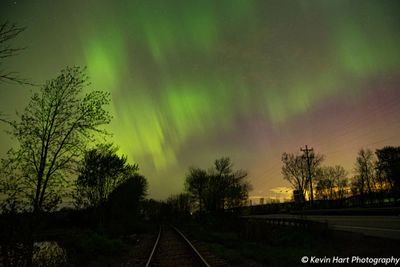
column 188, row 102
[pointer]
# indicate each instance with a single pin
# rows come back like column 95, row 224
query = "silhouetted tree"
column 325, row 185
column 295, row 170
column 8, row 32
column 52, row 132
column 100, row 172
column 341, row 179
column 179, row 205
column 331, row 182
column 228, row 187
column 388, row 167
column 152, row 209
column 219, row 188
column 124, row 202
column 11, row 191
column 196, row 184
column 364, row 169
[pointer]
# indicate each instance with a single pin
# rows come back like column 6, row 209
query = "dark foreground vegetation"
column 255, row 243
column 71, row 238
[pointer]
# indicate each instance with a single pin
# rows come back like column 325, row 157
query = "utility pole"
column 306, row 152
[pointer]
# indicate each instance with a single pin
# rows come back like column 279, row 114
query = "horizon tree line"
column 211, row 191
column 374, row 173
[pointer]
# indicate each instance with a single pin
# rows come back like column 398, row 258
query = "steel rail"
column 154, row 248
column 193, row 248
column 153, row 251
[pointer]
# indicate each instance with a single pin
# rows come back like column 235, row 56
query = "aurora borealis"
column 195, row 80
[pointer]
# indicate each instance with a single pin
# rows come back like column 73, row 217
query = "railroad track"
column 172, row 248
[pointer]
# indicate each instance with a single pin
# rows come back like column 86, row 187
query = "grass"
column 284, row 250
column 284, row 246
column 102, row 248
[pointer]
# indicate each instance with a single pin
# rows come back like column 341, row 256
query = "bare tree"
column 388, row 167
column 340, row 177
column 295, row 170
column 331, row 182
column 364, row 168
column 325, row 184
column 8, row 32
column 52, row 132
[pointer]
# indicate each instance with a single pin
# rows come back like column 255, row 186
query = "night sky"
column 192, row 81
